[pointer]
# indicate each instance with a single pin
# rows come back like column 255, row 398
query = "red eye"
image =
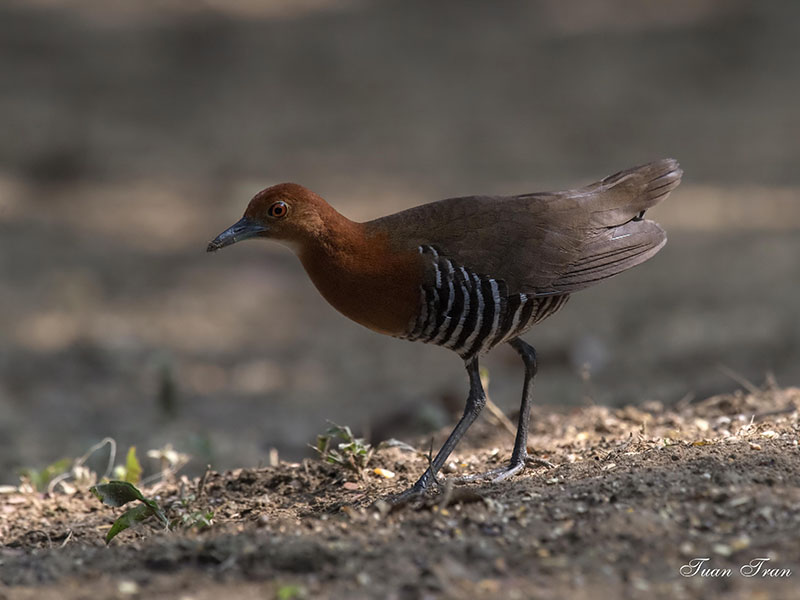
column 278, row 210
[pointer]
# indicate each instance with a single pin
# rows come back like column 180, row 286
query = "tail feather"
column 620, row 237
column 611, row 252
column 626, row 195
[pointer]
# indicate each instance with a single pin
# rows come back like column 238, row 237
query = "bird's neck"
column 362, row 274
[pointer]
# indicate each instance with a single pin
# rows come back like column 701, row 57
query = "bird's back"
column 545, row 243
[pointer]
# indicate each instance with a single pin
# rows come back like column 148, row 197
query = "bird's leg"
column 528, row 355
column 475, row 402
column 520, row 454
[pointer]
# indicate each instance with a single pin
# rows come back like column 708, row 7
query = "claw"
column 496, row 474
column 509, row 470
column 540, row 462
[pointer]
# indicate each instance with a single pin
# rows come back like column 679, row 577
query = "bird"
column 467, row 273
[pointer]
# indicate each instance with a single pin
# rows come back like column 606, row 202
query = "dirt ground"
column 635, row 495
column 132, row 133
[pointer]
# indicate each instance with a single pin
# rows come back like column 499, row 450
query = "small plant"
column 131, row 471
column 290, row 592
column 119, row 493
column 39, row 479
column 195, row 519
column 351, row 452
column 188, row 517
column 68, row 474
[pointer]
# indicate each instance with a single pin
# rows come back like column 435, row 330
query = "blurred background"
column 134, row 132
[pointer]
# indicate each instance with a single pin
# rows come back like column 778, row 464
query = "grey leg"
column 520, row 454
column 475, row 402
column 528, row 355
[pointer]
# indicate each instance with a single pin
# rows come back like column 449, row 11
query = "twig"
column 447, row 494
column 202, row 483
column 166, row 472
column 774, row 413
column 739, row 378
column 429, row 456
column 66, row 539
column 684, row 402
column 616, row 451
column 492, row 407
column 112, row 456
column 500, row 416
column 40, row 532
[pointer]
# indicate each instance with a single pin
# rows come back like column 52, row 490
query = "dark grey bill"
column 243, row 229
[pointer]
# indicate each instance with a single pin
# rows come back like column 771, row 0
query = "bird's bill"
column 243, row 229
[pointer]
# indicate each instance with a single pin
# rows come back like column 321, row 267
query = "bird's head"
column 287, row 213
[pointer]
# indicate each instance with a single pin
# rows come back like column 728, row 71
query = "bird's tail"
column 624, row 196
column 619, row 237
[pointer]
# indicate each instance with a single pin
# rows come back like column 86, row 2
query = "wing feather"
column 546, row 243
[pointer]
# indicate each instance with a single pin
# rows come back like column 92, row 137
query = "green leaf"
column 129, row 518
column 351, row 452
column 197, row 519
column 117, row 493
column 289, row 592
column 342, row 431
column 133, row 470
column 323, row 441
column 39, row 478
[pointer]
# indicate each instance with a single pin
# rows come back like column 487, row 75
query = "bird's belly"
column 470, row 313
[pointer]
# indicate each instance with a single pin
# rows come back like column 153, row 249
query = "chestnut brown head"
column 287, row 212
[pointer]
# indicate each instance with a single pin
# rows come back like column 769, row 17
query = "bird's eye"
column 278, row 210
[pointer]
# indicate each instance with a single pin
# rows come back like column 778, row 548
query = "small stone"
column 128, row 588
column 722, row 549
column 740, row 543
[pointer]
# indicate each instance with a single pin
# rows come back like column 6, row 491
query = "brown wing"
column 546, row 243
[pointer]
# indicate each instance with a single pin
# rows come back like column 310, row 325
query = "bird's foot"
column 404, row 497
column 512, row 468
column 415, row 492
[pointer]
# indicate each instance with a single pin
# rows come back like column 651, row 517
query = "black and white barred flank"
column 471, row 313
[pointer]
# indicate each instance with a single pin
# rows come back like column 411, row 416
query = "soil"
column 635, row 494
column 135, row 132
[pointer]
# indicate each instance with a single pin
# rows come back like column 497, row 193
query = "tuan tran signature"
column 758, row 567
